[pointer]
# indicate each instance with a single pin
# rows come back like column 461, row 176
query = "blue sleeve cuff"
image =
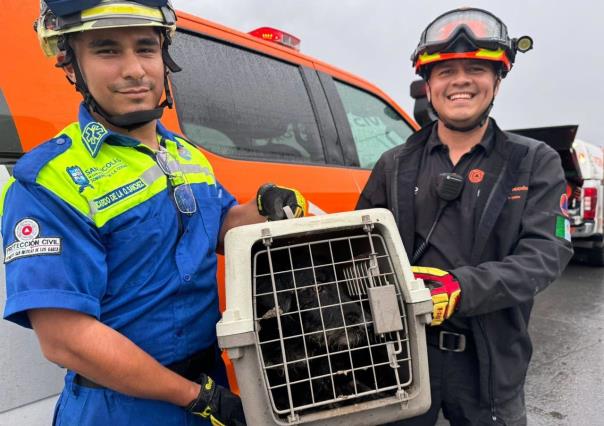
column 17, row 305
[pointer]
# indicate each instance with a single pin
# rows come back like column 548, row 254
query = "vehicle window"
column 240, row 104
column 376, row 126
column 9, row 142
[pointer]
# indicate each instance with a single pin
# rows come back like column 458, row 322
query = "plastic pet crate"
column 325, row 321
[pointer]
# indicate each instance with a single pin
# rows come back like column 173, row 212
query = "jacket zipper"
column 491, row 393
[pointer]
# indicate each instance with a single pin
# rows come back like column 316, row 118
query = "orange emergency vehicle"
column 259, row 109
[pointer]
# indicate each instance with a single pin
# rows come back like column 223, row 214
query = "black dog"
column 321, row 325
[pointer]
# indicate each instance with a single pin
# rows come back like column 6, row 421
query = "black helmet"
column 468, row 33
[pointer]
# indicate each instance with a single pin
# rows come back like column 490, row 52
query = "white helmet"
column 60, row 17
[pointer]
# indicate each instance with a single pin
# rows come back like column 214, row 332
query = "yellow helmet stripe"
column 485, row 53
column 122, row 9
column 426, row 58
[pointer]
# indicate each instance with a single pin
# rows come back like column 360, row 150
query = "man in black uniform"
column 484, row 206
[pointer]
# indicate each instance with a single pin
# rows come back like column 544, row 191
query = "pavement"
column 565, row 381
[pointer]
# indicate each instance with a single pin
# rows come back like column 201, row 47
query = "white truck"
column 583, row 164
column 586, row 205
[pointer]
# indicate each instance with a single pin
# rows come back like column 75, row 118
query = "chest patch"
column 476, row 175
column 119, row 194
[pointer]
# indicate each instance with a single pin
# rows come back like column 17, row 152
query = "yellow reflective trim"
column 203, row 173
column 113, row 168
column 55, row 178
column 104, row 216
column 425, row 58
column 10, row 181
column 114, row 178
column 122, row 9
column 201, row 178
column 485, row 53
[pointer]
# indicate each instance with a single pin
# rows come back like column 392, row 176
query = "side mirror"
column 422, row 112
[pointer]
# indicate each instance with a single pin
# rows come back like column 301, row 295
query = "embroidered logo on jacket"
column 476, row 175
column 564, row 205
column 106, row 170
column 79, row 178
column 28, row 243
column 518, row 192
column 92, row 136
column 119, row 194
column 184, row 153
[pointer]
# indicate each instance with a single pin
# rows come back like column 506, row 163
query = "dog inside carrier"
column 330, row 323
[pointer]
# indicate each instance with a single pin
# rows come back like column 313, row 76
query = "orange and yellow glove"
column 445, row 291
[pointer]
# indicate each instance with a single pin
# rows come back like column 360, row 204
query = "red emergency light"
column 590, row 203
column 277, row 36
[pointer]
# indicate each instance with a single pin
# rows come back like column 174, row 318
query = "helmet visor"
column 67, row 7
column 483, row 28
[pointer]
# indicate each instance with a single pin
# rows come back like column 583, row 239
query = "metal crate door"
column 315, row 330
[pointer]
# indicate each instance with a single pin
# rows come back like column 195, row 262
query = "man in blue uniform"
column 111, row 231
column 482, row 215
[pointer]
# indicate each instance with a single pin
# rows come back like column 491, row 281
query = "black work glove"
column 217, row 404
column 278, row 202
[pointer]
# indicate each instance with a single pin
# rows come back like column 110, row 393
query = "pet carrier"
column 325, row 322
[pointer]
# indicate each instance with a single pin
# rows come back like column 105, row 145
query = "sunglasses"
column 179, row 185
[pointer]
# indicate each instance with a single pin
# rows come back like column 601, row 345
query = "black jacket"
column 516, row 252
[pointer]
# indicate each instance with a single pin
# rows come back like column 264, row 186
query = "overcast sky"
column 558, row 82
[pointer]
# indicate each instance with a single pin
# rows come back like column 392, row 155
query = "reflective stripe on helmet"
column 68, row 7
column 492, row 54
column 484, row 54
column 125, row 10
column 466, row 33
column 107, row 14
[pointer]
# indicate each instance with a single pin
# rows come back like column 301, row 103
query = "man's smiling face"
column 123, row 67
column 462, row 89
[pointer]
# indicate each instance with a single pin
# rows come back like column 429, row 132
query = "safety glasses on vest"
column 179, row 185
column 468, row 33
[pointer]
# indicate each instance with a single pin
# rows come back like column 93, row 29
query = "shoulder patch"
column 29, row 242
column 563, row 228
column 29, row 166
